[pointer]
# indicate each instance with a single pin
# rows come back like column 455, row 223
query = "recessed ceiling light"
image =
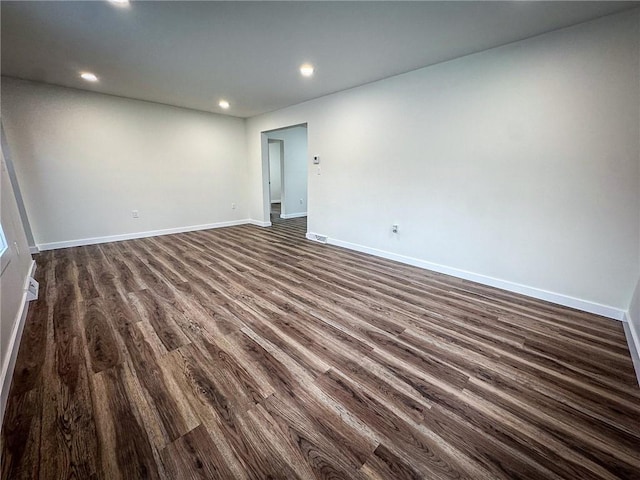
column 223, row 104
column 120, row 3
column 89, row 77
column 306, row 70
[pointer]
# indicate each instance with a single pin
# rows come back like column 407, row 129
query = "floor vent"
column 317, row 238
column 32, row 290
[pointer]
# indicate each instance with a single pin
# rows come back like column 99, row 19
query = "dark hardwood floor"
column 251, row 352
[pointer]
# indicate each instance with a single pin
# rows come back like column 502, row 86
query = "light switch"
column 316, row 159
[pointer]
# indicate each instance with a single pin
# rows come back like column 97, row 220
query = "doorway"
column 285, row 167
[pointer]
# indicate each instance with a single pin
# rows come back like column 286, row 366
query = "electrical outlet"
column 301, row 201
column 135, row 214
column 394, row 228
column 233, row 206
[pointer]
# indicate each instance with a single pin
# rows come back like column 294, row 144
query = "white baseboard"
column 293, row 215
column 633, row 339
column 9, row 362
column 34, row 250
column 259, row 223
column 557, row 298
column 131, row 236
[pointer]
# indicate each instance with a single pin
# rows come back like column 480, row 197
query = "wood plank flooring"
column 253, row 353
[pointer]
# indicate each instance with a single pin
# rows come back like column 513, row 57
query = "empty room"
column 298, row 240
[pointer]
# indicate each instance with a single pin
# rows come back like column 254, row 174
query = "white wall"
column 633, row 329
column 634, row 304
column 17, row 266
column 295, row 169
column 84, row 161
column 634, row 313
column 518, row 164
column 16, row 188
column 275, row 172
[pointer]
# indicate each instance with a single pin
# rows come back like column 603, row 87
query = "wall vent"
column 317, row 238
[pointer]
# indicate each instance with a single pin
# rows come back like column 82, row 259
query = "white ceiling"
column 191, row 54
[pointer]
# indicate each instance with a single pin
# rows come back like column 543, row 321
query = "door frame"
column 266, row 191
column 282, row 187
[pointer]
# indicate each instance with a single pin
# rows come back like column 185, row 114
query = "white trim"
column 633, row 339
column 557, row 298
column 3, row 242
column 9, row 362
column 293, row 215
column 259, row 223
column 131, row 236
column 34, row 250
